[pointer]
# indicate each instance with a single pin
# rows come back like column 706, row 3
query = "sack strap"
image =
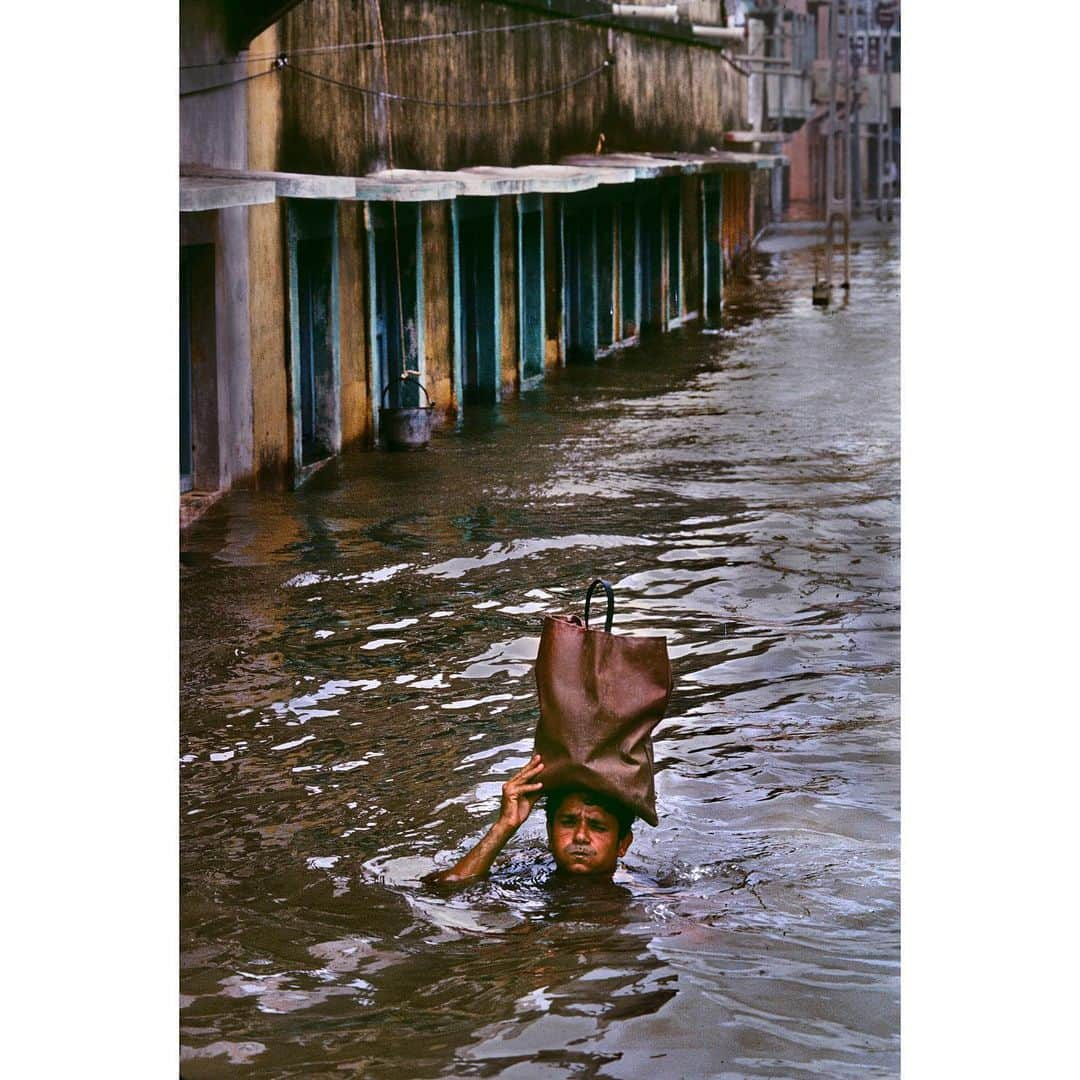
column 610, row 603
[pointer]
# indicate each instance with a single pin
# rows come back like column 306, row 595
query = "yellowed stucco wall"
column 353, row 329
column 269, row 344
column 508, row 292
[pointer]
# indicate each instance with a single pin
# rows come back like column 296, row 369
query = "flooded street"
column 356, row 685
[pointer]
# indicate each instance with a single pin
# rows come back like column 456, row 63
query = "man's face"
column 584, row 839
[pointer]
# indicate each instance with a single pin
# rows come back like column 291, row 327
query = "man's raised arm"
column 519, row 794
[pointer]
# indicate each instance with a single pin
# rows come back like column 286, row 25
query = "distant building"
column 470, row 191
column 795, row 102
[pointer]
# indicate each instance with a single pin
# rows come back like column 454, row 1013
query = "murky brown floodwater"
column 357, row 684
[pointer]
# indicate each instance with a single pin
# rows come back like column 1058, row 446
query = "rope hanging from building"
column 394, row 218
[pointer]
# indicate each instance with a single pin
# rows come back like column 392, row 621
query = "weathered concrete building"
column 788, row 53
column 470, row 191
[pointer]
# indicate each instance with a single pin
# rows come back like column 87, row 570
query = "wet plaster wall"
column 269, row 353
column 221, row 384
column 213, row 130
column 353, row 324
column 234, row 350
column 735, row 232
column 508, row 291
column 324, row 128
column 213, row 127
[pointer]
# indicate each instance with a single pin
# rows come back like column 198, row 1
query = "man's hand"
column 519, row 794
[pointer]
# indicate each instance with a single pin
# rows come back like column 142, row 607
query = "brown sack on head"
column 601, row 695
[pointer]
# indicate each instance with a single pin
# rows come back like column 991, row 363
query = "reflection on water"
column 357, row 684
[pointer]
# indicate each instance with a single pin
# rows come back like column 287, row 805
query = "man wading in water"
column 587, row 832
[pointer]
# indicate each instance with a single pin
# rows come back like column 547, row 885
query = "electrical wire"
column 451, row 104
column 233, row 82
column 412, row 40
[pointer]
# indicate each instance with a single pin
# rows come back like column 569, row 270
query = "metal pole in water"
column 778, row 170
column 830, row 148
column 856, row 163
column 880, row 125
column 887, row 46
column 846, row 283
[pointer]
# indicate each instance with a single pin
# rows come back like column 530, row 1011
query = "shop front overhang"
column 217, row 193
column 205, row 187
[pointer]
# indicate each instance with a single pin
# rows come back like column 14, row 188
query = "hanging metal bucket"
column 406, row 428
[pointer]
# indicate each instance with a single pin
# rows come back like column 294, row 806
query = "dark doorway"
column 198, row 370
column 628, row 269
column 712, row 251
column 651, row 216
column 605, row 273
column 313, row 311
column 579, row 279
column 478, row 312
column 673, row 201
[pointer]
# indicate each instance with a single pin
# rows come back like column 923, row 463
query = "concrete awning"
column 408, row 185
column 718, row 160
column 531, row 179
column 207, row 187
column 644, row 166
column 754, row 136
column 476, row 180
column 286, row 185
column 206, row 193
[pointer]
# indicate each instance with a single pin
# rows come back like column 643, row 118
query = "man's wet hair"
column 620, row 811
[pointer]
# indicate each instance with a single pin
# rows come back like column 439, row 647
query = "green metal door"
column 712, row 251
column 313, row 317
column 478, row 315
column 651, row 212
column 531, row 288
column 579, row 279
